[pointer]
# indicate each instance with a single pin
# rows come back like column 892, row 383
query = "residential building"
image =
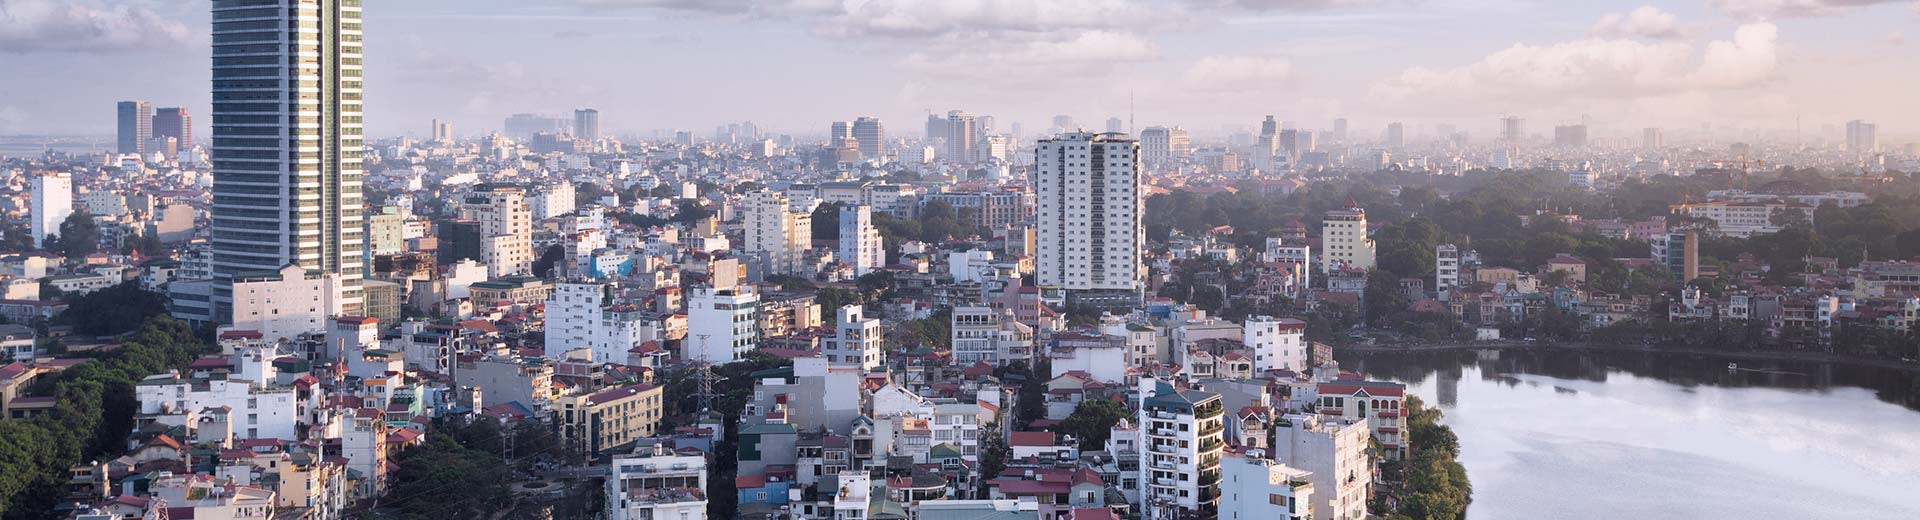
column 1090, row 231
column 777, row 234
column 1446, row 269
column 1344, row 241
column 981, row 334
column 52, row 203
column 1744, row 218
column 722, row 324
column 283, row 304
column 584, row 315
column 1180, row 458
column 655, row 483
column 859, row 240
column 858, row 340
column 1277, row 344
column 1253, row 487
column 506, row 229
column 1334, row 453
column 1159, row 144
column 1379, row 403
column 610, row 419
column 872, row 138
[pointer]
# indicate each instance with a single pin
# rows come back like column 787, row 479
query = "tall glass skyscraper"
column 287, row 143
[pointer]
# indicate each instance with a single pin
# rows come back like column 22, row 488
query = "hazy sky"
column 794, row 65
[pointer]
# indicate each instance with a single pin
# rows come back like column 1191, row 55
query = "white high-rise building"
column 963, row 134
column 1090, row 234
column 1344, row 239
column 722, row 324
column 1446, row 269
column 859, row 240
column 585, row 316
column 52, row 203
column 857, row 340
column 777, row 232
column 1180, row 451
column 1159, row 144
column 506, row 229
column 287, row 144
column 1277, row 344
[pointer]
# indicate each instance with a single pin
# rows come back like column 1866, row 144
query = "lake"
column 1549, row 435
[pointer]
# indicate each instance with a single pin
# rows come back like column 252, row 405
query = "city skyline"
column 1763, row 64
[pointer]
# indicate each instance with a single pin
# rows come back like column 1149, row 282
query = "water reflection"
column 1586, row 435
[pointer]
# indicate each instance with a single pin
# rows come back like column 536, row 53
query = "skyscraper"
column 506, row 228
column 840, row 135
column 174, row 122
column 872, row 137
column 1340, row 130
column 1653, row 139
column 961, row 137
column 1090, row 231
column 442, row 131
column 1513, row 129
column 52, row 203
column 1114, row 125
column 136, row 126
column 586, row 124
column 776, row 233
column 1396, row 135
column 1570, row 136
column 287, row 144
column 1862, row 137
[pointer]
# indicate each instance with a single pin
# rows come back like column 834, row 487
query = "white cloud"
column 84, row 25
column 1277, row 5
column 1239, row 73
column 921, row 18
column 1646, row 22
column 1084, row 53
column 1776, row 9
column 1593, row 69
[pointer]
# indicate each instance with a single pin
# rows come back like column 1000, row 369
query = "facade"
column 1180, row 454
column 859, row 241
column 583, row 315
column 963, row 135
column 653, row 483
column 254, row 410
column 872, row 138
column 1277, row 344
column 778, row 233
column 981, row 334
column 1090, row 235
column 52, row 203
column 286, row 303
column 1160, row 144
column 506, row 229
column 1446, row 268
column 611, row 418
column 174, row 122
column 1743, row 218
column 1334, row 453
column 586, row 124
column 1255, row 487
column 135, row 126
column 1378, row 403
column 722, row 324
column 1344, row 241
column 286, row 155
column 858, row 340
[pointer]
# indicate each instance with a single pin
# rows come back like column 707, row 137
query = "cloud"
column 1592, row 69
column 1084, row 53
column 1238, row 73
column 1277, row 5
column 1646, row 22
column 1777, row 9
column 924, row 18
column 1894, row 39
column 84, row 26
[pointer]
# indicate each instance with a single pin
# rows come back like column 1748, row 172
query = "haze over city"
column 1204, row 64
column 959, row 259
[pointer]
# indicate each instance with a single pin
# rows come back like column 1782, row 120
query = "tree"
column 112, row 310
column 543, row 266
column 1092, row 421
column 79, row 235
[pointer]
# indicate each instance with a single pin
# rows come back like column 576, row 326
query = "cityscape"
column 959, row 260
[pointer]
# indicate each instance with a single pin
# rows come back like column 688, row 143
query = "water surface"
column 1631, row 435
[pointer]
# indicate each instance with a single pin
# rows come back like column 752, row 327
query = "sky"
column 1208, row 65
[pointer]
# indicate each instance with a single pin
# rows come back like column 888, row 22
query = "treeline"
column 1435, row 486
column 92, row 417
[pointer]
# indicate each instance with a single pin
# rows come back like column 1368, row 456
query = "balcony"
column 1161, row 464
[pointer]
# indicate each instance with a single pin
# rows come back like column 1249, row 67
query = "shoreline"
column 1816, row 357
